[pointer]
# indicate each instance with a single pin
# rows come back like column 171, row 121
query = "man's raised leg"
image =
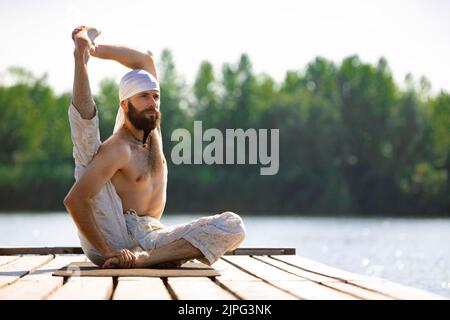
column 82, row 96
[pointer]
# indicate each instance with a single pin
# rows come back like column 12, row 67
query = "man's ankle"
column 82, row 57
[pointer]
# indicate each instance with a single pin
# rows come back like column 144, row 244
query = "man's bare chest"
column 146, row 166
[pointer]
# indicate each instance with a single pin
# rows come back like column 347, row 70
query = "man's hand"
column 83, row 38
column 120, row 258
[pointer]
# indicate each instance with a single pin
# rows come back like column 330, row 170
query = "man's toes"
column 92, row 33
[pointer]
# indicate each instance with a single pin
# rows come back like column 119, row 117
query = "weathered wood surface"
column 88, row 269
column 40, row 283
column 292, row 284
column 141, row 288
column 254, row 277
column 349, row 288
column 78, row 250
column 380, row 286
column 246, row 286
column 85, row 288
column 8, row 259
column 198, row 289
column 14, row 270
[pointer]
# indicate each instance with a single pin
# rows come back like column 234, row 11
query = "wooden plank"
column 293, row 284
column 7, row 259
column 360, row 291
column 41, row 250
column 307, row 275
column 256, row 290
column 12, row 271
column 261, row 251
column 246, row 286
column 352, row 289
column 198, row 289
column 141, row 288
column 40, row 283
column 379, row 285
column 322, row 269
column 260, row 269
column 78, row 250
column 400, row 291
column 85, row 288
column 312, row 291
column 188, row 269
column 229, row 272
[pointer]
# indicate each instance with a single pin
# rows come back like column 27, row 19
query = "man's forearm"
column 82, row 96
column 129, row 57
column 83, row 216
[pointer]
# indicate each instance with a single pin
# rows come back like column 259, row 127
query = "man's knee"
column 236, row 224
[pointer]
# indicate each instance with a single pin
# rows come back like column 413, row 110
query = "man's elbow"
column 68, row 201
column 149, row 54
column 148, row 59
column 72, row 200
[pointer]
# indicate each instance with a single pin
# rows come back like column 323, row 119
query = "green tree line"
column 352, row 140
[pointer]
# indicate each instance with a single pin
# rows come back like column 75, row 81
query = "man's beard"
column 140, row 121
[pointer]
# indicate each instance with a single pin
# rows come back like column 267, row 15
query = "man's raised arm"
column 129, row 57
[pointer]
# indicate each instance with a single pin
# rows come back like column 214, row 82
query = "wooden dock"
column 246, row 274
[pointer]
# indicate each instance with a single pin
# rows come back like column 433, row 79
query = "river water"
column 414, row 252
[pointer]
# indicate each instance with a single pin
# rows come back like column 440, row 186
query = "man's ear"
column 124, row 105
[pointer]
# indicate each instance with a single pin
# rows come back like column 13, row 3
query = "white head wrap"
column 132, row 83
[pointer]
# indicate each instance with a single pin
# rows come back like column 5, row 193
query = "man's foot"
column 144, row 260
column 142, row 257
column 83, row 38
column 119, row 258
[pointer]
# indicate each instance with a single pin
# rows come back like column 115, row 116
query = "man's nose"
column 152, row 106
column 153, row 103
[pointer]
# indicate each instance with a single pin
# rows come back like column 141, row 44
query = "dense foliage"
column 351, row 140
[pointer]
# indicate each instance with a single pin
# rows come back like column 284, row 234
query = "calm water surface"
column 414, row 252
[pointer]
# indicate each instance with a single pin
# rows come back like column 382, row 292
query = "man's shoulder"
column 116, row 147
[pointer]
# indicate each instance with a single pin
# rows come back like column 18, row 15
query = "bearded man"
column 120, row 190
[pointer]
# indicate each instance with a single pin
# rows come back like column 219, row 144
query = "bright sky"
column 281, row 35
